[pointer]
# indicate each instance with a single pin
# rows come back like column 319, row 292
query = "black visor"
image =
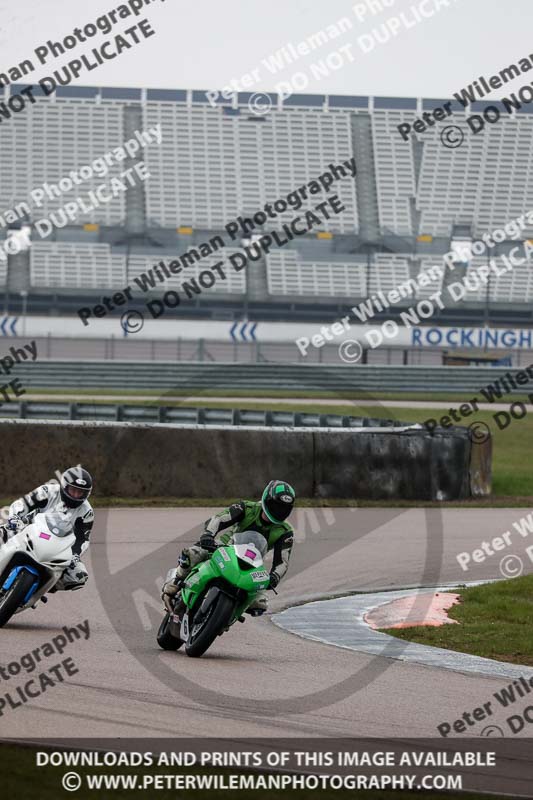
column 77, row 492
column 279, row 509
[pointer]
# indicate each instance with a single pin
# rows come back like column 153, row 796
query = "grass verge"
column 281, row 394
column 495, row 622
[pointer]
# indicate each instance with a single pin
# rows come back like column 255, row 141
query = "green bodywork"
column 224, row 564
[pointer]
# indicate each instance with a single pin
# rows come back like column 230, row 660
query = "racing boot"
column 258, row 606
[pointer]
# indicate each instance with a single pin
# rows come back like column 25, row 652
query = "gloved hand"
column 169, row 592
column 207, row 541
column 15, row 524
column 170, row 588
column 274, row 580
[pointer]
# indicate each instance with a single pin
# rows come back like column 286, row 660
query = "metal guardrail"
column 181, row 415
column 166, row 375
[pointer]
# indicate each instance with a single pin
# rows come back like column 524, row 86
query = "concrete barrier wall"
column 136, row 460
column 384, row 464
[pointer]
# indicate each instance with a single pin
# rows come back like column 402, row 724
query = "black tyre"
column 204, row 633
column 12, row 599
column 165, row 639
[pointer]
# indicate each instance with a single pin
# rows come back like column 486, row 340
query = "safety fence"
column 182, row 415
column 166, row 376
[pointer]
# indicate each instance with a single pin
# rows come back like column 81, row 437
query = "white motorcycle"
column 32, row 562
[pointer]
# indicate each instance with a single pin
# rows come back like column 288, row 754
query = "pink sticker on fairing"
column 250, row 554
column 44, row 536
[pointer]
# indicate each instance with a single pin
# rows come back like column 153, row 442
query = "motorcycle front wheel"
column 13, row 598
column 204, row 633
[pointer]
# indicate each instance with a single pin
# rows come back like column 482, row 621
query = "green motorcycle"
column 216, row 593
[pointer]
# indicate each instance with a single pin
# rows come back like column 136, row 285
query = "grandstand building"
column 408, row 204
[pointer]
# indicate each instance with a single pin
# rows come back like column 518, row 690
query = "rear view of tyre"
column 205, row 631
column 165, row 639
column 13, row 598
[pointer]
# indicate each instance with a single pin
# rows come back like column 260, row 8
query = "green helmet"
column 278, row 501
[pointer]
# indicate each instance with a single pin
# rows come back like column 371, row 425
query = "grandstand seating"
column 432, row 282
column 235, row 282
column 212, row 167
column 357, row 277
column 485, row 183
column 48, row 141
column 65, row 265
column 71, row 265
column 395, row 176
column 215, row 164
column 289, row 275
column 3, row 267
column 386, row 272
column 513, row 286
column 68, row 265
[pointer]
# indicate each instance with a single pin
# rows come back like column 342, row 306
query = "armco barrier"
column 181, row 415
column 164, row 376
column 143, row 461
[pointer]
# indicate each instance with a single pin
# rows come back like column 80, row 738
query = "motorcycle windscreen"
column 58, row 524
column 251, row 546
column 52, row 537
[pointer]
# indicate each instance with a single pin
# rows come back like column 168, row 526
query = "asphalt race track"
column 257, row 680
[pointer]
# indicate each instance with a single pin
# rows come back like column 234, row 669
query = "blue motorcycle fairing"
column 11, row 578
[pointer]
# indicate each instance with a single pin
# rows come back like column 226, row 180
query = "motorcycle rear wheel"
column 165, row 639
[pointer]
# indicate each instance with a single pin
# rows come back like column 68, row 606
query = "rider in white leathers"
column 70, row 497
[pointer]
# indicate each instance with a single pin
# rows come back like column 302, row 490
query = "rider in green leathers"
column 266, row 517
